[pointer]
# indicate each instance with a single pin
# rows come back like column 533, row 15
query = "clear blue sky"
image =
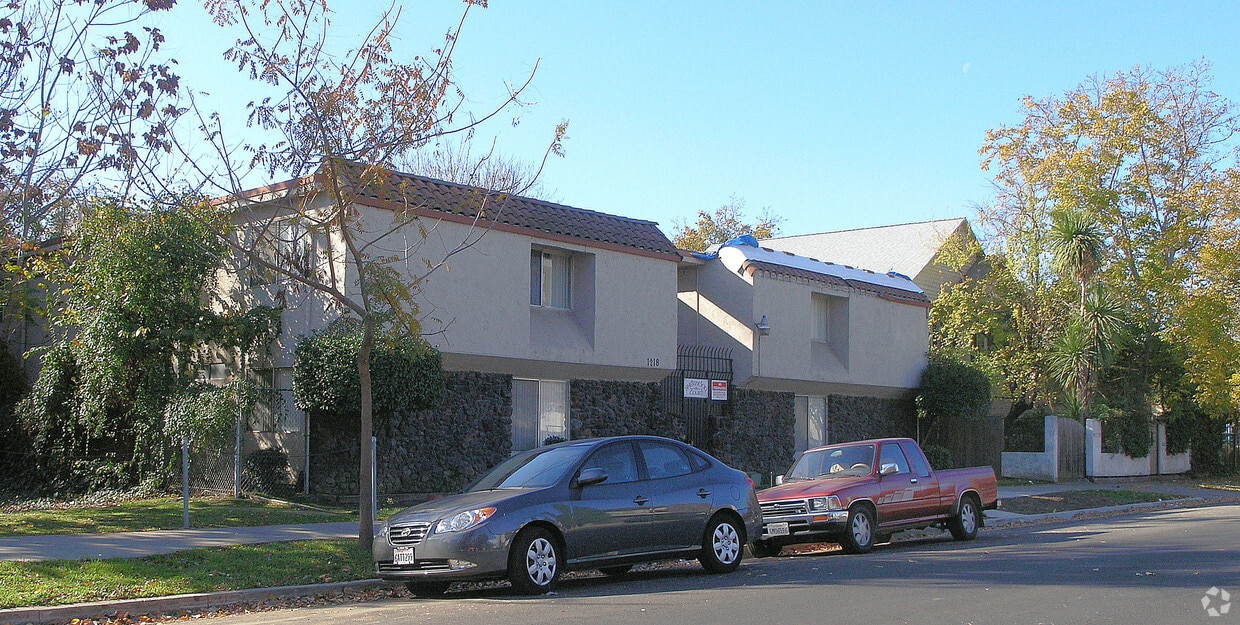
column 834, row 115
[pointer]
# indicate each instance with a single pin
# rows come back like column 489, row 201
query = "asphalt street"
column 1149, row 567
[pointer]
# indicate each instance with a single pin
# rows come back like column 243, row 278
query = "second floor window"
column 551, row 277
column 285, row 244
column 822, row 318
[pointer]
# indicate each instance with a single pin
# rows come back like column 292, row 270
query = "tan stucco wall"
column 887, row 341
column 475, row 306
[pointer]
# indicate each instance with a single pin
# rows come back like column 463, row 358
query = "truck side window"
column 892, row 455
column 919, row 461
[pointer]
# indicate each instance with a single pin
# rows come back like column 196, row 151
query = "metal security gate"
column 700, row 364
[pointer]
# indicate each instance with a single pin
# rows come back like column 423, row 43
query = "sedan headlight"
column 825, row 503
column 464, row 520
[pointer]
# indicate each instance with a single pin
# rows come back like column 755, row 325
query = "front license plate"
column 776, row 529
column 404, row 555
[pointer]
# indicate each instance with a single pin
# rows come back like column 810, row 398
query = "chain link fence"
column 267, row 455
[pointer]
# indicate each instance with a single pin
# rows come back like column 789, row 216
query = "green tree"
column 726, row 223
column 1077, row 244
column 127, row 310
column 951, row 391
column 1146, row 152
column 1003, row 325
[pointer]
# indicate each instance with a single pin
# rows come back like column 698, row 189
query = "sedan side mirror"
column 888, row 469
column 591, row 476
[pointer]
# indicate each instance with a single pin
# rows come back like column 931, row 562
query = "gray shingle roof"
column 525, row 213
column 903, row 248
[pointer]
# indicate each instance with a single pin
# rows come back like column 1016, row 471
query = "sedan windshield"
column 834, row 461
column 533, row 469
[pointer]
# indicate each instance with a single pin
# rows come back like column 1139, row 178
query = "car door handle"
column 640, row 500
column 912, row 480
column 703, row 493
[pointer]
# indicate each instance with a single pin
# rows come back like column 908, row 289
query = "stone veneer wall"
column 612, row 408
column 757, row 437
column 429, row 451
column 851, row 418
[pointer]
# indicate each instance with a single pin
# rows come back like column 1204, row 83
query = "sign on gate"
column 719, row 390
column 697, row 389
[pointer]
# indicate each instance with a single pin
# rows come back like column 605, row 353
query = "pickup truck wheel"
column 963, row 525
column 765, row 549
column 860, row 536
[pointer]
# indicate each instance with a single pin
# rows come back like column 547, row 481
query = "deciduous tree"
column 726, row 223
column 346, row 117
column 85, row 92
column 1149, row 154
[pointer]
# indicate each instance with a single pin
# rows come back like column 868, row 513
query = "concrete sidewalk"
column 1181, row 492
column 140, row 544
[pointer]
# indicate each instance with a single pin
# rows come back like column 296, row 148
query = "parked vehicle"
column 860, row 493
column 602, row 504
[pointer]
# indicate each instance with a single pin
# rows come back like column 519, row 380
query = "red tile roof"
column 467, row 203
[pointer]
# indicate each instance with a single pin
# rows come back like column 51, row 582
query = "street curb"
column 176, row 603
column 1069, row 515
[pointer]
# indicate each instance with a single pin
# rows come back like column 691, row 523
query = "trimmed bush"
column 268, row 471
column 406, row 374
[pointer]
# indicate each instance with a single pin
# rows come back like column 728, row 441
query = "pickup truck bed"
column 860, row 493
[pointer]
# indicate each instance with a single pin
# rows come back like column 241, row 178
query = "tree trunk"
column 365, row 532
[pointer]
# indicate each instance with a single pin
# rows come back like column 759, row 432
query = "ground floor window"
column 811, row 418
column 539, row 413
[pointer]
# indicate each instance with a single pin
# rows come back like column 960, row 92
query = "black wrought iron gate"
column 702, row 365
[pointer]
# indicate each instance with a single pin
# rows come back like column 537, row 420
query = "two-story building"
column 918, row 250
column 847, row 346
column 556, row 322
column 553, row 321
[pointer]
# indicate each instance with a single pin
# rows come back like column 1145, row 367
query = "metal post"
column 185, row 477
column 374, row 483
column 306, row 438
column 237, row 448
column 237, row 456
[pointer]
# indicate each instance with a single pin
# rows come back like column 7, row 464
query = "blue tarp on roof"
column 744, row 239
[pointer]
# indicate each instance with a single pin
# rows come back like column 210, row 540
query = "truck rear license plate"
column 776, row 529
column 404, row 555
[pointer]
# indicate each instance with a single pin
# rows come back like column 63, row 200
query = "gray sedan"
column 603, row 503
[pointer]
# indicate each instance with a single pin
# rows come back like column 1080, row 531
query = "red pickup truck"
column 859, row 493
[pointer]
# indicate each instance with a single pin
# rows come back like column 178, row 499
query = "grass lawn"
column 161, row 513
column 57, row 582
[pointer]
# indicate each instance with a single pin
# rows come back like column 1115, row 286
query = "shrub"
column 406, row 373
column 268, row 471
column 952, row 390
column 939, row 456
column 1027, row 432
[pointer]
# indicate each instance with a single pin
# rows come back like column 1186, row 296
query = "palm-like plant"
column 1076, row 242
